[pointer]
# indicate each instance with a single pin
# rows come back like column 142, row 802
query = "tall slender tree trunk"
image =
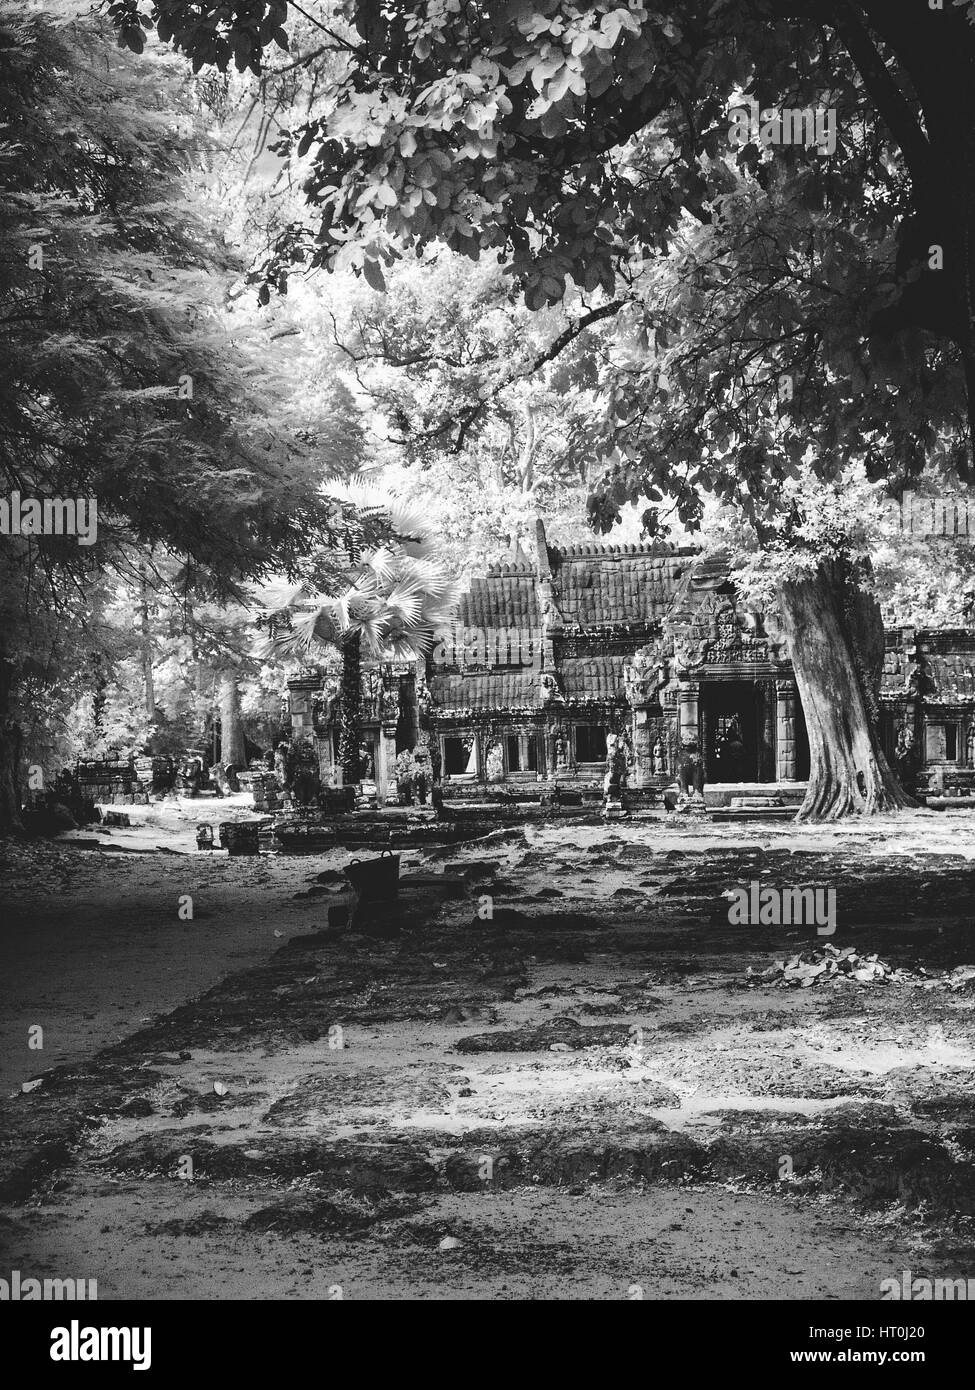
column 232, row 749
column 350, row 709
column 146, row 643
column 835, row 636
column 11, row 741
column 99, row 699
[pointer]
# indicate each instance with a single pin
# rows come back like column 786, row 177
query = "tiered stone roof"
column 591, row 678
column 505, row 597
column 605, row 585
column 595, row 589
column 483, row 691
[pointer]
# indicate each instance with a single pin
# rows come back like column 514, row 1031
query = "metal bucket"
column 375, row 879
column 239, row 839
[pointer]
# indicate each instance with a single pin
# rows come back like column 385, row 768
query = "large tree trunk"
column 836, row 642
column 350, row 707
column 10, row 796
column 11, row 741
column 232, row 748
column 938, row 150
column 99, row 699
column 146, row 643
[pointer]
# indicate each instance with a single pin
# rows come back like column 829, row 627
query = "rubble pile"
column 831, row 964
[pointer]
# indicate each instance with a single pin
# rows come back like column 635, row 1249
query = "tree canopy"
column 589, row 145
column 129, row 376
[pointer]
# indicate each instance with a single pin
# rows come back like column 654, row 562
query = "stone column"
column 689, row 700
column 643, row 739
column 767, row 768
column 536, row 733
column 300, row 694
column 546, row 742
column 785, row 730
column 386, row 764
column 706, row 743
column 327, row 765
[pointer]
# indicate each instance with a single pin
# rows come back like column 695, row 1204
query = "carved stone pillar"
column 786, row 696
column 643, row 739
column 301, row 692
column 546, row 742
column 706, row 743
column 767, row 741
column 327, row 766
column 536, row 733
column 386, row 764
column 689, row 703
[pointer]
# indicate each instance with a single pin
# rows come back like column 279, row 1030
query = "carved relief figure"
column 561, row 749
column 548, row 689
column 282, row 765
column 325, row 708
column 390, row 706
column 551, row 616
column 615, row 780
column 372, row 689
column 644, row 674
column 905, row 762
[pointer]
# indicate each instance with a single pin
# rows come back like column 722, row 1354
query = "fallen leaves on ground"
column 820, row 966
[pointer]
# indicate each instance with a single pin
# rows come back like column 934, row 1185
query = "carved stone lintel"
column 708, row 625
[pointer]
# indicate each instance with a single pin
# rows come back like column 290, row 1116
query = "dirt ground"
column 559, row 1080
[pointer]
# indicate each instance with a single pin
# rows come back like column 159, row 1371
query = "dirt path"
column 579, row 1093
column 92, row 943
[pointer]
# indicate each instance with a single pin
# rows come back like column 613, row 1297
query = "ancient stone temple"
column 928, row 707
column 391, row 696
column 548, row 658
column 552, row 657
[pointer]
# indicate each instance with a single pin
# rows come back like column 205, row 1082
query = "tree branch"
column 557, row 346
column 892, row 106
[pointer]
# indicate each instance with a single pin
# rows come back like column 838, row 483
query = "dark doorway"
column 590, row 743
column 455, row 757
column 733, row 719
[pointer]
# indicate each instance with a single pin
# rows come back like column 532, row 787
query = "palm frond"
column 374, row 636
column 382, row 563
column 278, row 596
column 406, row 520
column 396, row 598
column 405, row 606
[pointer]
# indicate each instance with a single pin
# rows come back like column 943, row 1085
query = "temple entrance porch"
column 751, row 730
column 737, row 741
